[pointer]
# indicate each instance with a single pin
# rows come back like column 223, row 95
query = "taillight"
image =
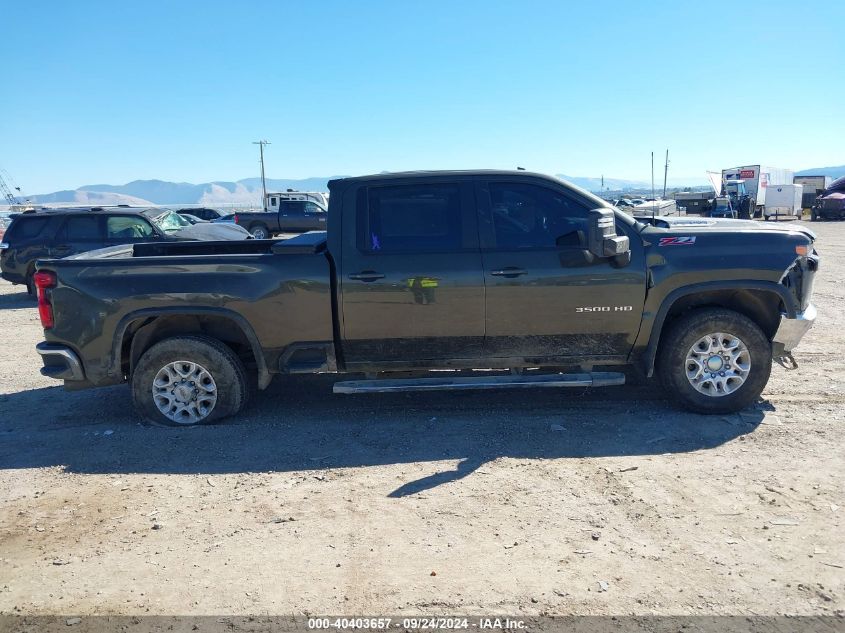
column 235, row 219
column 45, row 280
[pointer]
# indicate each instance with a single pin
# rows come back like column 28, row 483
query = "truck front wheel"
column 715, row 360
column 188, row 380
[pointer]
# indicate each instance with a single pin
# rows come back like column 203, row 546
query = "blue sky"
column 107, row 92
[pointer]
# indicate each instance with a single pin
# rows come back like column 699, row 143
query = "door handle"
column 367, row 275
column 510, row 271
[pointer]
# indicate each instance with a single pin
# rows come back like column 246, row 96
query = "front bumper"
column 791, row 331
column 60, row 362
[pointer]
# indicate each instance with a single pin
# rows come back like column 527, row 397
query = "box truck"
column 814, row 186
column 757, row 179
column 783, row 200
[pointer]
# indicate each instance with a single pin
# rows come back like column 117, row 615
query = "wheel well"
column 761, row 306
column 143, row 333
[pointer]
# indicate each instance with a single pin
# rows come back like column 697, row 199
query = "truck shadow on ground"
column 299, row 425
column 17, row 300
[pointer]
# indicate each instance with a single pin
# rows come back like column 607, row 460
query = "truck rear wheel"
column 715, row 360
column 259, row 231
column 188, row 380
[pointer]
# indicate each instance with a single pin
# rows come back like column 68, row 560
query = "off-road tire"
column 225, row 367
column 264, row 232
column 683, row 334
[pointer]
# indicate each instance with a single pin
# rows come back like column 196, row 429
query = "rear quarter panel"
column 283, row 299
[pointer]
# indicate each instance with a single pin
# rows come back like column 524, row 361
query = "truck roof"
column 462, row 173
column 442, row 173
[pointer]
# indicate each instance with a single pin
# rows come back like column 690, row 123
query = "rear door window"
column 411, row 218
column 83, row 229
column 292, row 207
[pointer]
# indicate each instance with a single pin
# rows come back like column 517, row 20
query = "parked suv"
column 62, row 232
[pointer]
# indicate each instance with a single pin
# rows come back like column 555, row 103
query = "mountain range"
column 248, row 190
column 144, row 192
column 833, row 172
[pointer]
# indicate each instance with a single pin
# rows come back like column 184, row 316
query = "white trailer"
column 758, row 179
column 784, row 200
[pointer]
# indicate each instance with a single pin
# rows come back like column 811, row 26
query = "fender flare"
column 264, row 376
column 650, row 352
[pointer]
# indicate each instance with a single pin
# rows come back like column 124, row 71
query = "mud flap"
column 787, row 361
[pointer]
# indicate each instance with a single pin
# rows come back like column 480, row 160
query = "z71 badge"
column 677, row 241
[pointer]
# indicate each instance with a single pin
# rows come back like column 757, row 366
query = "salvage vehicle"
column 462, row 272
column 203, row 213
column 830, row 205
column 292, row 216
column 66, row 231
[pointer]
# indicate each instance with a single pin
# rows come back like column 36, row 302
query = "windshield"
column 170, row 222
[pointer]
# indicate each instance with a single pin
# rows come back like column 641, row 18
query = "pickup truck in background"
column 292, row 216
column 534, row 280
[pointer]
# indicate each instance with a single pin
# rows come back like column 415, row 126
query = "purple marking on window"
column 376, row 243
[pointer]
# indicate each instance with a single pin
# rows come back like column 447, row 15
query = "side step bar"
column 384, row 385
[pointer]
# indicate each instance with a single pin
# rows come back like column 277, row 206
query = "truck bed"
column 304, row 244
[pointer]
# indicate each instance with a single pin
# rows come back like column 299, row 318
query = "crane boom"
column 7, row 194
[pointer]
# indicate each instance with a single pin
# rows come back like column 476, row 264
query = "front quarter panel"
column 683, row 261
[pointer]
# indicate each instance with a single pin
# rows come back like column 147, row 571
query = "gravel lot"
column 561, row 502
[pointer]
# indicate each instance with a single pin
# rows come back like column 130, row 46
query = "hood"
column 699, row 224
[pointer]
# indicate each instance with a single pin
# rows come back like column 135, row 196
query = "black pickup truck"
column 458, row 280
column 292, row 216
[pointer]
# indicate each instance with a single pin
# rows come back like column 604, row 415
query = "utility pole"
column 653, row 203
column 665, row 174
column 261, row 145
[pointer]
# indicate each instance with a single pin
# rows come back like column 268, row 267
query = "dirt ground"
column 562, row 502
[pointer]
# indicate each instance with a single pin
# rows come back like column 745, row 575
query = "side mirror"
column 602, row 240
